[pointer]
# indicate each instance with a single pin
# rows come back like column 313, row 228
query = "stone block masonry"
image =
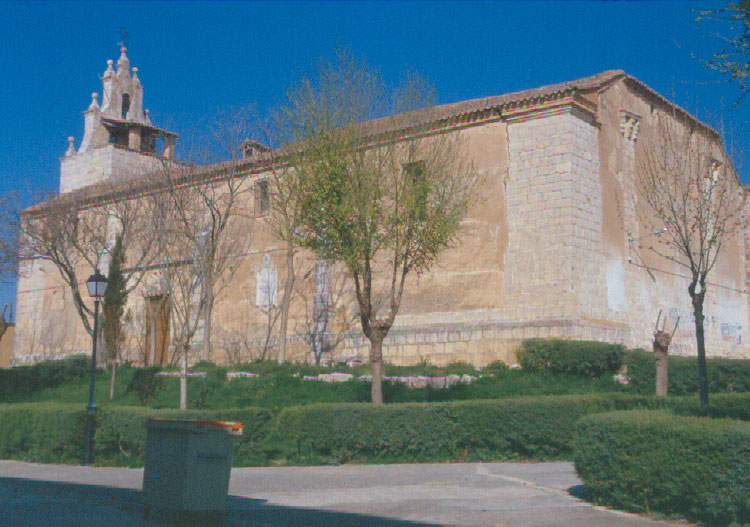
column 554, row 258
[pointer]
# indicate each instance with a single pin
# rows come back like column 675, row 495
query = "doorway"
column 158, row 311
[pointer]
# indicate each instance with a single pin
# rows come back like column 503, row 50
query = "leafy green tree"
column 113, row 309
column 380, row 198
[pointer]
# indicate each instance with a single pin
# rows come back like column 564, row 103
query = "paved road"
column 499, row 494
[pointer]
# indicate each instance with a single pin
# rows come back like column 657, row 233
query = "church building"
column 549, row 250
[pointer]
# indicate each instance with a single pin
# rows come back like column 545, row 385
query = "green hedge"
column 519, row 428
column 54, row 433
column 580, row 357
column 594, row 359
column 655, row 461
column 23, row 380
column 721, row 405
column 724, row 375
column 121, row 433
column 514, row 428
column 46, row 433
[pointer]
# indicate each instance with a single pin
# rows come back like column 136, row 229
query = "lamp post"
column 97, row 286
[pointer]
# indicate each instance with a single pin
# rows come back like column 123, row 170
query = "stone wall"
column 553, row 260
column 108, row 163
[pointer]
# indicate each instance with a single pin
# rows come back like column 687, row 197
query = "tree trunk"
column 113, row 380
column 184, row 379
column 207, row 327
column 701, row 342
column 376, row 361
column 285, row 303
column 662, row 370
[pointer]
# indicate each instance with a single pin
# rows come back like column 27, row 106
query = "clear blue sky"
column 196, row 58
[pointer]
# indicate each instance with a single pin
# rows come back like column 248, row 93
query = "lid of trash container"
column 197, row 425
column 232, row 427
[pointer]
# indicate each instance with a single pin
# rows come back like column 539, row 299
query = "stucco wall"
column 543, row 252
column 634, row 295
column 6, row 347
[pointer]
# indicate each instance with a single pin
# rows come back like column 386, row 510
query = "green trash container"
column 188, row 463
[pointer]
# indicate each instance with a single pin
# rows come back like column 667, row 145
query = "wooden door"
column 157, row 331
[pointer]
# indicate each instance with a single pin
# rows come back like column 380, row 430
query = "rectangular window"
column 266, row 280
column 262, row 200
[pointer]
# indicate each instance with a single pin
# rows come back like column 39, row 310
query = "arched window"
column 125, row 105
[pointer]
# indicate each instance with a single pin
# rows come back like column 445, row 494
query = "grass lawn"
column 280, row 386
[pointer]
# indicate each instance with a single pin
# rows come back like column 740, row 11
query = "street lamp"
column 97, row 286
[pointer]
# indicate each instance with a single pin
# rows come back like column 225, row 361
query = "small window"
column 125, row 105
column 262, row 200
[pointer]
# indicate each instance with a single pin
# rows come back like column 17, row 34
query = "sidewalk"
column 501, row 494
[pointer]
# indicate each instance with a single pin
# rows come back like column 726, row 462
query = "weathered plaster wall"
column 47, row 324
column 634, row 296
column 544, row 252
column 6, row 347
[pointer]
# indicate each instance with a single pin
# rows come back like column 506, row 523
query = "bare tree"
column 8, row 249
column 6, row 319
column 8, row 235
column 200, row 235
column 284, row 219
column 76, row 233
column 688, row 191
column 283, row 214
column 227, row 135
column 52, row 335
column 267, row 303
column 733, row 61
column 328, row 318
column 134, row 334
column 380, row 199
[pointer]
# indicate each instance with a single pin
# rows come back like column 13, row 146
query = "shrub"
column 727, row 405
column 724, row 375
column 145, row 383
column 121, row 433
column 24, row 380
column 654, row 461
column 580, row 357
column 54, row 433
column 526, row 427
column 338, row 433
column 47, row 433
column 497, row 367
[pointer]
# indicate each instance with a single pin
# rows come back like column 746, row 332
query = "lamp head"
column 97, row 285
